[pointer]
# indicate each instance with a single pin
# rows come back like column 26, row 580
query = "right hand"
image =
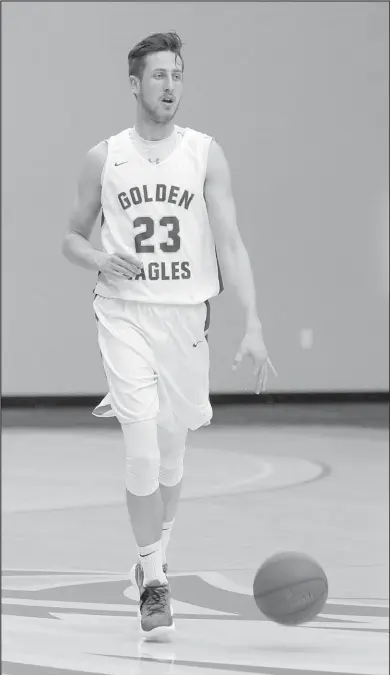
column 123, row 265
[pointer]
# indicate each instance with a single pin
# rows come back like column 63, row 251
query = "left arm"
column 233, row 258
column 232, row 254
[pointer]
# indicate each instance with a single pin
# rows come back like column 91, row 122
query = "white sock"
column 151, row 561
column 165, row 536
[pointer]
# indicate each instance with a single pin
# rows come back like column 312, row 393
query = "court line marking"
column 233, row 668
column 58, row 607
column 206, row 575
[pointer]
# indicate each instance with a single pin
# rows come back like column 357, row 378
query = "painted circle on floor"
column 219, row 466
column 229, row 473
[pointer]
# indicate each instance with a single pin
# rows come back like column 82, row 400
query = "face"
column 159, row 91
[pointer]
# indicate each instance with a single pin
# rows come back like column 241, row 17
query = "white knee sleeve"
column 142, row 457
column 172, row 449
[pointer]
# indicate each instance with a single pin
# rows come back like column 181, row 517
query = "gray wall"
column 296, row 93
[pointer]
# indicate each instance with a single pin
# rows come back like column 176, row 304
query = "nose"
column 169, row 83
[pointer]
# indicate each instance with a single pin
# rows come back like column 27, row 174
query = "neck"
column 150, row 130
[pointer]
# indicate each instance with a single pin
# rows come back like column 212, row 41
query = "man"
column 167, row 212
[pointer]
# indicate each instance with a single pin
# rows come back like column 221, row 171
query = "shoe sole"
column 158, row 634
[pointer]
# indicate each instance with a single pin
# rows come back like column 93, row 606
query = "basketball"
column 290, row 588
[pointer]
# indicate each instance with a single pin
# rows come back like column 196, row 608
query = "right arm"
column 77, row 247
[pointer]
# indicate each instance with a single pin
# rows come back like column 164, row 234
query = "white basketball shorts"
column 156, row 360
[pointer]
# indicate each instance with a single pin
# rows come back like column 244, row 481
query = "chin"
column 169, row 115
column 164, row 119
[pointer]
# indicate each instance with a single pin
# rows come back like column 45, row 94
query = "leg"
column 131, row 374
column 170, row 498
column 172, row 449
column 144, row 501
column 145, row 508
column 146, row 517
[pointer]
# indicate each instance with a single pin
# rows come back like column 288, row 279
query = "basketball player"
column 167, row 212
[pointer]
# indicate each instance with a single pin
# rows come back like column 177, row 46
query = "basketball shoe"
column 155, row 612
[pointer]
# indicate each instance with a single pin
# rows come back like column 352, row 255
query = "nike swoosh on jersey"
column 120, row 163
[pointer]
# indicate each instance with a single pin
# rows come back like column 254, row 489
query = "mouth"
column 168, row 100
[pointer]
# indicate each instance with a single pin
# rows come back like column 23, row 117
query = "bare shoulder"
column 87, row 202
column 219, row 199
column 99, row 150
column 216, row 154
column 95, row 160
column 217, row 164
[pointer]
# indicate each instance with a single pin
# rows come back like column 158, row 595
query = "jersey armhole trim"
column 209, row 139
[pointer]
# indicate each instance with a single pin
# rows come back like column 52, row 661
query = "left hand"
column 253, row 345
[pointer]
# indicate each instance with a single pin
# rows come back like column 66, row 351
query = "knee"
column 142, row 458
column 171, row 474
column 142, row 476
column 172, row 449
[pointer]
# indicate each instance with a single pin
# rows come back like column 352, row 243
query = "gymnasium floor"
column 259, row 480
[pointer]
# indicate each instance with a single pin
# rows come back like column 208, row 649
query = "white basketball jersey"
column 157, row 211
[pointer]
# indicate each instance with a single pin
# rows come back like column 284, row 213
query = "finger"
column 256, row 373
column 259, row 366
column 262, row 381
column 134, row 270
column 126, row 271
column 261, row 378
column 265, row 378
column 131, row 260
column 269, row 362
column 127, row 267
column 119, row 271
column 117, row 274
column 259, row 385
column 237, row 360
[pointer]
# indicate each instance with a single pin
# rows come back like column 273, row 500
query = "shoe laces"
column 153, row 598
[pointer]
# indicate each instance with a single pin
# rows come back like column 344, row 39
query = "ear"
column 134, row 84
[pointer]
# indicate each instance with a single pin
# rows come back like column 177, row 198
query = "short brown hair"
column 158, row 42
